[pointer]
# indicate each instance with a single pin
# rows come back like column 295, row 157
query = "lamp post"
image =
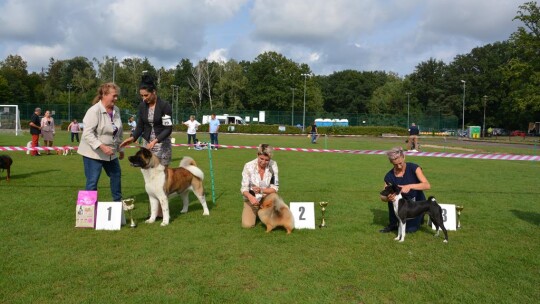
column 175, row 101
column 113, row 68
column 292, row 107
column 484, row 122
column 463, row 116
column 408, row 103
column 304, row 116
column 69, row 86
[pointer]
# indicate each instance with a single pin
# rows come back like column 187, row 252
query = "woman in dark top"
column 411, row 179
column 154, row 122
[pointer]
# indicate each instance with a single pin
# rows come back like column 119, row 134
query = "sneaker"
column 388, row 228
column 189, row 148
column 215, row 149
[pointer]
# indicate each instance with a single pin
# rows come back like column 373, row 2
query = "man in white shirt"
column 213, row 127
column 192, row 126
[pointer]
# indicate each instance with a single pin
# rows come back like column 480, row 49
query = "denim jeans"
column 214, row 139
column 191, row 137
column 92, row 171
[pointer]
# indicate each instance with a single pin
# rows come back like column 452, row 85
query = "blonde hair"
column 395, row 153
column 104, row 89
column 265, row 149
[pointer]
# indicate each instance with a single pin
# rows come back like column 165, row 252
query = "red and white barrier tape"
column 364, row 152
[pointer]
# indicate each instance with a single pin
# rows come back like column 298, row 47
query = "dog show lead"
column 154, row 122
column 411, row 179
column 100, row 140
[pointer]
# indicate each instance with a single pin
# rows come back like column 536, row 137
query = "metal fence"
column 63, row 113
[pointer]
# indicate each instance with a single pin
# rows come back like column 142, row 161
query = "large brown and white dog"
column 274, row 212
column 161, row 183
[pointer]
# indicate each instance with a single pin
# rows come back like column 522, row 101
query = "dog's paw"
column 396, row 238
column 149, row 221
column 163, row 224
column 445, row 241
column 401, row 241
column 206, row 213
column 183, row 211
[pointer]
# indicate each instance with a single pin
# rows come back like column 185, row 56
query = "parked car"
column 518, row 133
column 499, row 132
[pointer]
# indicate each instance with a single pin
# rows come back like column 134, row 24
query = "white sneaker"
column 189, row 148
column 414, row 150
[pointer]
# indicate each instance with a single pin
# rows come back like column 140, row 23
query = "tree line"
column 500, row 79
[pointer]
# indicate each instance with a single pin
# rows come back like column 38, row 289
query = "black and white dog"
column 405, row 209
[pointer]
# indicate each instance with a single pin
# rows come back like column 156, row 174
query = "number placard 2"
column 304, row 215
column 449, row 217
column 110, row 216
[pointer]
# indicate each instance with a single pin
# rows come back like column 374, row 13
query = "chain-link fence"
column 64, row 113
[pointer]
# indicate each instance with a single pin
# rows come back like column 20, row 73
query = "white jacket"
column 98, row 129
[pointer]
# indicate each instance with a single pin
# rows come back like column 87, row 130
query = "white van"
column 225, row 119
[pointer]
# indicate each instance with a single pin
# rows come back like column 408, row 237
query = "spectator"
column 213, row 128
column 47, row 130
column 35, row 130
column 192, row 125
column 74, row 129
column 412, row 144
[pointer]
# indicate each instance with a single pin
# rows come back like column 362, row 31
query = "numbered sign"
column 304, row 215
column 110, row 216
column 449, row 217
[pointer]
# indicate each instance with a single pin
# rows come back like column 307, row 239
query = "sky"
column 328, row 35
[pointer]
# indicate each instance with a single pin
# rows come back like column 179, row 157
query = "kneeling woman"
column 259, row 178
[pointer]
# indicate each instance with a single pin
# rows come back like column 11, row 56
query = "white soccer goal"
column 10, row 118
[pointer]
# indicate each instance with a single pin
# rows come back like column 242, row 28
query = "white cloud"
column 389, row 35
column 219, row 55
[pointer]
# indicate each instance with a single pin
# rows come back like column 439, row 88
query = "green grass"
column 196, row 259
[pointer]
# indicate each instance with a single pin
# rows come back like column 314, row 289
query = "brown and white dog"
column 274, row 212
column 161, row 183
column 5, row 163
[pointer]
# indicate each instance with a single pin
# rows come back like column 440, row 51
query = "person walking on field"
column 74, row 128
column 412, row 144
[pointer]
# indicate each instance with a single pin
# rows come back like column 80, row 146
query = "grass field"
column 196, row 259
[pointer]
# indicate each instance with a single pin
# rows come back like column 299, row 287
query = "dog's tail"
column 189, row 164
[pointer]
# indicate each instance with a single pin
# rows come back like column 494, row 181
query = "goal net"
column 10, row 119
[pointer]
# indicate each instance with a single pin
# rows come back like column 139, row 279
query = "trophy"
column 323, row 209
column 459, row 209
column 129, row 207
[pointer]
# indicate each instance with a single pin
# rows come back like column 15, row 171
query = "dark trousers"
column 75, row 135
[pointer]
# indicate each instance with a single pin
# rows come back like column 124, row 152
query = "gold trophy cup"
column 323, row 209
column 128, row 205
column 459, row 209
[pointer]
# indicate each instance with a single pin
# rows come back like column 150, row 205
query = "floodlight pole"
column 408, row 104
column 304, row 116
column 292, row 107
column 69, row 86
column 174, row 100
column 484, row 121
column 463, row 115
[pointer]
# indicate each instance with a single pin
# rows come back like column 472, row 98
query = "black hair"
column 147, row 83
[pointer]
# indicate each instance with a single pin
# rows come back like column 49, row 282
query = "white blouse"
column 251, row 177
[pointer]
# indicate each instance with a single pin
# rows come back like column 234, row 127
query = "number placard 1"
column 449, row 217
column 304, row 215
column 109, row 216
